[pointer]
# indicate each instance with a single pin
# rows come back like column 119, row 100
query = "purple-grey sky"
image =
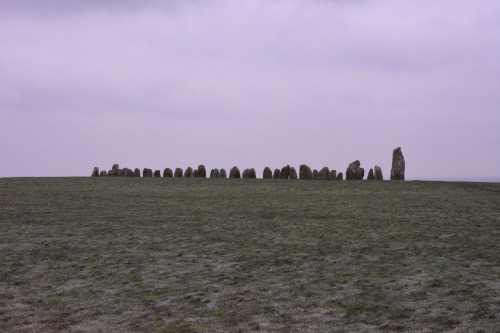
column 250, row 83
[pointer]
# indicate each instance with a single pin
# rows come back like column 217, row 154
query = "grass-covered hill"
column 186, row 255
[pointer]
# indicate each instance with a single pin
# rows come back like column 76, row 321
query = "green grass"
column 190, row 255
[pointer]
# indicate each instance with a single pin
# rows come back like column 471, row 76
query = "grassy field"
column 191, row 255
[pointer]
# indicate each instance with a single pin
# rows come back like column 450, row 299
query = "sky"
column 250, row 83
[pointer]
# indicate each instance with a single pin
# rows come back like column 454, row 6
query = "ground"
column 228, row 255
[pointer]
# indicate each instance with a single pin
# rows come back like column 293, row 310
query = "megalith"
column 202, row 172
column 305, row 172
column 333, row 174
column 370, row 176
column 251, row 173
column 234, row 172
column 315, row 174
column 276, row 174
column 324, row 174
column 245, row 173
column 222, row 173
column 157, row 174
column 116, row 170
column 267, row 174
column 398, row 165
column 178, row 173
column 103, row 173
column 378, row 173
column 354, row 171
column 340, row 176
column 137, row 172
column 285, row 172
column 147, row 172
column 293, row 173
column 95, row 173
column 130, row 173
column 188, row 173
column 214, row 173
column 123, row 172
column 168, row 173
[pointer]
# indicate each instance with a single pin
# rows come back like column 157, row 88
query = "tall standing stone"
column 222, row 173
column 147, row 172
column 116, row 170
column 123, row 172
column 398, row 165
column 214, row 173
column 234, row 172
column 354, row 171
column 251, row 173
column 188, row 173
column 202, row 172
column 168, row 173
column 178, row 173
column 276, row 174
column 293, row 173
column 103, row 173
column 137, row 172
column 245, row 173
column 157, row 174
column 333, row 174
column 340, row 176
column 95, row 173
column 305, row 172
column 267, row 174
column 285, row 172
column 315, row 174
column 378, row 173
column 324, row 174
column 370, row 176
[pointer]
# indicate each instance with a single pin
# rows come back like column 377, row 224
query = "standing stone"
column 147, row 172
column 195, row 173
column 293, row 173
column 110, row 173
column 251, row 173
column 234, row 172
column 315, row 174
column 340, row 176
column 305, row 172
column 123, row 172
column 285, row 172
column 168, row 173
column 222, row 173
column 398, row 165
column 324, row 174
column 137, row 172
column 95, row 173
column 267, row 174
column 214, row 173
column 333, row 174
column 178, row 173
column 277, row 174
column 157, row 174
column 103, row 173
column 116, row 170
column 245, row 173
column 202, row 172
column 370, row 176
column 354, row 171
column 188, row 173
column 378, row 173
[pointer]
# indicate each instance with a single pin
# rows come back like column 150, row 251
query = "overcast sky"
column 250, row 83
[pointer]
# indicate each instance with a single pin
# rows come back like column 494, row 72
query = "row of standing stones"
column 354, row 172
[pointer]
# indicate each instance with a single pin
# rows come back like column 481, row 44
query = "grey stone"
column 168, row 173
column 370, row 176
column 354, row 171
column 188, row 173
column 245, row 173
column 276, row 174
column 147, row 172
column 214, row 173
column 398, row 165
column 222, row 173
column 234, row 172
column 378, row 173
column 267, row 174
column 137, row 172
column 202, row 172
column 315, row 174
column 293, row 173
column 285, row 172
column 305, row 172
column 110, row 173
column 333, row 174
column 103, row 173
column 123, row 172
column 178, row 173
column 115, row 170
column 324, row 174
column 157, row 174
column 340, row 176
column 95, row 173
column 251, row 173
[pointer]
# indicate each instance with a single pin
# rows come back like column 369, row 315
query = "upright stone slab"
column 340, row 176
column 214, row 173
column 370, row 176
column 95, row 173
column 324, row 174
column 188, row 173
column 234, row 172
column 115, row 170
column 293, row 173
column 333, row 174
column 147, row 173
column 378, row 173
column 267, row 174
column 178, row 173
column 137, row 172
column 123, row 172
column 222, row 173
column 103, row 173
column 202, row 172
column 285, row 172
column 354, row 171
column 168, row 173
column 315, row 174
column 276, row 174
column 157, row 174
column 398, row 165
column 245, row 173
column 130, row 173
column 305, row 172
column 195, row 173
column 251, row 173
